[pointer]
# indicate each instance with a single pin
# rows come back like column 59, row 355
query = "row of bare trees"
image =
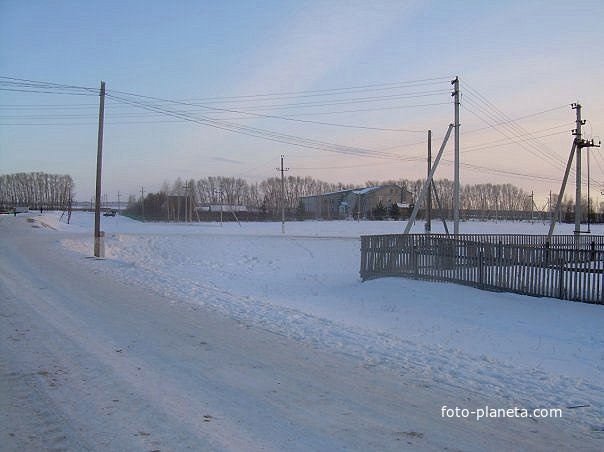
column 36, row 190
column 475, row 197
column 265, row 196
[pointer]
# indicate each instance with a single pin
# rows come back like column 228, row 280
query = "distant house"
column 347, row 203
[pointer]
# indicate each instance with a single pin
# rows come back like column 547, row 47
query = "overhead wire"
column 527, row 137
column 249, row 112
column 486, row 112
column 260, row 133
column 507, row 142
column 512, row 135
column 494, row 113
column 329, row 91
column 518, row 118
column 285, row 118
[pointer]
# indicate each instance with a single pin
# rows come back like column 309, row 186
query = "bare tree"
column 39, row 190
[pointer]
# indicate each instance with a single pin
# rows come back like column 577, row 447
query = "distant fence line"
column 566, row 266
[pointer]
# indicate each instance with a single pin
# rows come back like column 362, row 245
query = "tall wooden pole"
column 577, row 132
column 429, row 203
column 99, row 250
column 588, row 195
column 282, row 170
column 456, row 183
column 143, row 203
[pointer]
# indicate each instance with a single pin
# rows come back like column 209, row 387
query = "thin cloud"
column 222, row 159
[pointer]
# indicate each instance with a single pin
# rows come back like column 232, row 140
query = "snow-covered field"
column 514, row 350
column 306, row 284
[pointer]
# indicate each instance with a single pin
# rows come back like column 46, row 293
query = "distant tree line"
column 36, row 190
column 263, row 199
column 176, row 199
column 473, row 197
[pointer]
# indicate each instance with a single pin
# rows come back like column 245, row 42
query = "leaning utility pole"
column 456, row 187
column 428, row 184
column 99, row 249
column 282, row 169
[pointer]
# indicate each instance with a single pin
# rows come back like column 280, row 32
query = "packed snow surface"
column 512, row 350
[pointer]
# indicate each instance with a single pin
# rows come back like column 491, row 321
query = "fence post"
column 415, row 263
column 592, row 247
column 561, row 280
column 481, row 268
column 363, row 271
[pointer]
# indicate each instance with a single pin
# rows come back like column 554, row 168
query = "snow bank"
column 305, row 284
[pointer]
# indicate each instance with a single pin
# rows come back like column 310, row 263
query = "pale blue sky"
column 523, row 56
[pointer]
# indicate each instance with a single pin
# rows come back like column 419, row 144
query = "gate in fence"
column 566, row 266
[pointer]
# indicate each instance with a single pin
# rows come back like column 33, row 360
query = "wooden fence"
column 566, row 267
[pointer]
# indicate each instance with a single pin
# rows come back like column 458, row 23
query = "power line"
column 25, row 82
column 153, row 114
column 498, row 171
column 513, row 127
column 328, row 91
column 532, row 115
column 261, row 133
column 508, row 142
column 45, row 92
column 294, row 105
column 475, row 99
column 531, row 149
column 283, row 117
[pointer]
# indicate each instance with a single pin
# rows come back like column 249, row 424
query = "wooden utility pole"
column 99, row 248
column 588, row 195
column 187, row 211
column 456, row 186
column 282, row 169
column 143, row 203
column 577, row 133
column 429, row 203
column 218, row 192
column 580, row 144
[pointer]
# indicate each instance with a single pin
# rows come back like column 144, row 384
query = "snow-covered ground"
column 510, row 349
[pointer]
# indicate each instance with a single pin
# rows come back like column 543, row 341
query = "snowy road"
column 89, row 363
